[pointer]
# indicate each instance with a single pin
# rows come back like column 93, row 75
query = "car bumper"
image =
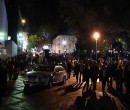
column 26, row 82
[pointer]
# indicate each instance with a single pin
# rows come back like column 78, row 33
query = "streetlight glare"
column 96, row 35
column 23, row 21
column 64, row 42
column 45, row 47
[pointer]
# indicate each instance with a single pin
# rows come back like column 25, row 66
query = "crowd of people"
column 84, row 70
column 9, row 71
column 105, row 71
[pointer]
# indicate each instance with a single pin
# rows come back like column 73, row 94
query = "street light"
column 64, row 42
column 23, row 21
column 96, row 36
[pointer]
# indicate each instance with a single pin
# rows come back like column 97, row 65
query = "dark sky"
column 36, row 12
column 85, row 14
column 39, row 12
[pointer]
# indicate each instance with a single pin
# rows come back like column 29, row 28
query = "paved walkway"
column 119, row 101
column 15, row 92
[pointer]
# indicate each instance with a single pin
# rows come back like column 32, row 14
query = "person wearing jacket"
column 103, row 77
column 77, row 70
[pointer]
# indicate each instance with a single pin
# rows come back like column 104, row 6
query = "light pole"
column 24, row 38
column 96, row 36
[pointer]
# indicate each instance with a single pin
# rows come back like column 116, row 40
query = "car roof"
column 58, row 66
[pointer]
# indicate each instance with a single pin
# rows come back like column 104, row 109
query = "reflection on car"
column 45, row 75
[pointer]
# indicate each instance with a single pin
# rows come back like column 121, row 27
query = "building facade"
column 11, row 48
column 64, row 44
column 3, row 23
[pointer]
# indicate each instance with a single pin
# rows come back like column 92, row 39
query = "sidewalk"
column 109, row 101
column 15, row 95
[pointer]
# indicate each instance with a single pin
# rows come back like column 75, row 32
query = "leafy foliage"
column 86, row 16
column 35, row 40
column 105, row 47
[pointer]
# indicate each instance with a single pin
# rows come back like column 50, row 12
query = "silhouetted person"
column 95, row 71
column 103, row 77
column 119, row 79
column 127, row 78
column 3, row 79
column 110, row 71
column 81, row 71
column 69, row 68
column 15, row 69
column 76, row 70
column 10, row 68
column 86, row 75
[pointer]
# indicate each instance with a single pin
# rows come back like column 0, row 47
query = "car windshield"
column 44, row 68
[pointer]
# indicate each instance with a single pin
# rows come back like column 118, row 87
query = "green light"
column 20, row 34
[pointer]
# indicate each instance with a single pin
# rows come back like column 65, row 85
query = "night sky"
column 66, row 16
column 38, row 13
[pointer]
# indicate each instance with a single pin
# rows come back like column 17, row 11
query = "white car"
column 45, row 75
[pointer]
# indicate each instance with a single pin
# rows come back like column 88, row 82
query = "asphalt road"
column 59, row 97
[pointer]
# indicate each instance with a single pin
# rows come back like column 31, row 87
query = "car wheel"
column 64, row 80
column 50, row 83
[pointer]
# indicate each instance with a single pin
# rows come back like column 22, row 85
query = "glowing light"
column 45, row 47
column 25, row 45
column 23, row 21
column 98, row 80
column 98, row 51
column 90, row 82
column 96, row 35
column 20, row 34
column 9, row 37
column 1, row 34
column 64, row 42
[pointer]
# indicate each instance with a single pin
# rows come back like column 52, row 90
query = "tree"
column 35, row 41
column 48, row 31
column 105, row 48
column 86, row 16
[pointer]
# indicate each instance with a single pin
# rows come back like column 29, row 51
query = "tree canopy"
column 80, row 17
column 110, row 18
column 35, row 41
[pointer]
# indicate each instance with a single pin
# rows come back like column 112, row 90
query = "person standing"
column 3, row 79
column 10, row 68
column 103, row 77
column 76, row 70
column 95, row 70
column 119, row 79
column 81, row 71
column 127, row 78
column 69, row 68
column 86, row 75
column 15, row 69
